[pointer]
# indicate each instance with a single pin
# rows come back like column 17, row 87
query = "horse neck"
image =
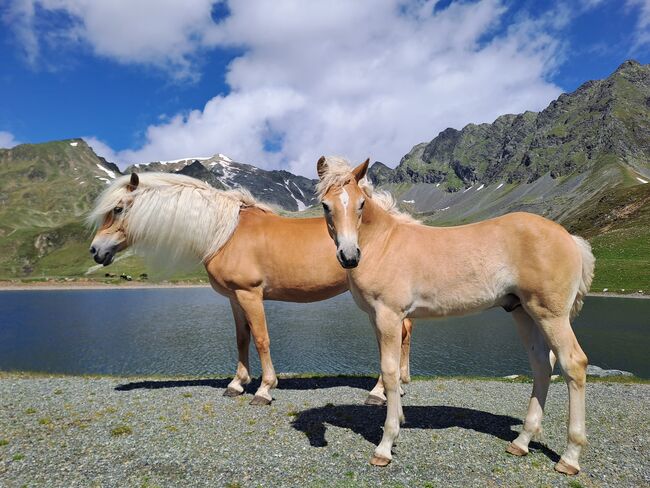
column 376, row 224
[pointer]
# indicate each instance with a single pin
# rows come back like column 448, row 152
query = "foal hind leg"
column 405, row 358
column 377, row 395
column 253, row 307
column 573, row 362
column 243, row 331
column 542, row 361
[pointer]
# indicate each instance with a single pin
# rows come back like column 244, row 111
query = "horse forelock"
column 338, row 172
column 171, row 213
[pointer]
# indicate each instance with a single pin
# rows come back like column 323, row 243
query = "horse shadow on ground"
column 360, row 382
column 368, row 421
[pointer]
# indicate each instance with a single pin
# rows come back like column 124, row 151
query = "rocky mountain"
column 549, row 162
column 277, row 187
column 45, row 191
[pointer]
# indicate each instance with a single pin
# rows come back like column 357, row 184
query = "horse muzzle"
column 105, row 257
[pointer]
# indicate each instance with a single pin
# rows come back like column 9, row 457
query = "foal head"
column 111, row 236
column 343, row 202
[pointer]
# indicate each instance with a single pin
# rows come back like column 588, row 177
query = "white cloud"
column 359, row 79
column 7, row 140
column 356, row 78
column 642, row 32
column 163, row 33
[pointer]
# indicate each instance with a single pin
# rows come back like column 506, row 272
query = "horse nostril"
column 93, row 251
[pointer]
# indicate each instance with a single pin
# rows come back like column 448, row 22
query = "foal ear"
column 133, row 182
column 321, row 167
column 360, row 171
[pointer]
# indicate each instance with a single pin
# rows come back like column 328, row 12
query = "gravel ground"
column 73, row 431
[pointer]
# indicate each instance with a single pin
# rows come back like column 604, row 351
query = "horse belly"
column 449, row 305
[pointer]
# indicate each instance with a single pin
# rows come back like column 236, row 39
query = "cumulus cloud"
column 642, row 33
column 162, row 33
column 361, row 78
column 7, row 140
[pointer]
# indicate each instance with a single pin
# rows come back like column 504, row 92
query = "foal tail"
column 588, row 263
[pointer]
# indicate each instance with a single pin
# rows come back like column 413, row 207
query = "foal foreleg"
column 387, row 328
column 542, row 361
column 253, row 307
column 377, row 395
column 243, row 331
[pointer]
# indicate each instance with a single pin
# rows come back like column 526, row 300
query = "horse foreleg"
column 253, row 307
column 387, row 328
column 542, row 361
column 243, row 331
column 377, row 395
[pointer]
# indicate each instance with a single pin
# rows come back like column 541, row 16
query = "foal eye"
column 363, row 202
column 326, row 207
column 117, row 210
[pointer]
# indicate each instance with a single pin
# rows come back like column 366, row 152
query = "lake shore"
column 124, row 285
column 148, row 431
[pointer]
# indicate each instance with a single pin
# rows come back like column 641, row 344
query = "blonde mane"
column 174, row 218
column 339, row 171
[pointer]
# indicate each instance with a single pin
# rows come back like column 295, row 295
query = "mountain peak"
column 630, row 64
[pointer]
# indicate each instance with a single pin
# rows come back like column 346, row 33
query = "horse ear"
column 360, row 171
column 321, row 166
column 133, row 182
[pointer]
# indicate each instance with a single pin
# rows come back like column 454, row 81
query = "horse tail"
column 587, row 275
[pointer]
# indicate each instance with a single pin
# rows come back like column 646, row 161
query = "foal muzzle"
column 349, row 260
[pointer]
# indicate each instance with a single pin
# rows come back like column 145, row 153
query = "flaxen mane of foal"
column 398, row 268
column 250, row 253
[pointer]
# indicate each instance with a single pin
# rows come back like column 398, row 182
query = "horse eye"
column 326, row 207
column 363, row 202
column 117, row 210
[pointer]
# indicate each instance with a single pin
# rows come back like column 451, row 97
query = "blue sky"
column 279, row 83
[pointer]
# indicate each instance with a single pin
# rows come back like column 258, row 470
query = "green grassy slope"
column 617, row 223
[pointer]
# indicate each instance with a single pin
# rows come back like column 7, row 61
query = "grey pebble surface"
column 117, row 432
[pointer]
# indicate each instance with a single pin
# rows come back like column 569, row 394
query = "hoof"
column 379, row 461
column 565, row 468
column 375, row 400
column 231, row 392
column 260, row 400
column 515, row 450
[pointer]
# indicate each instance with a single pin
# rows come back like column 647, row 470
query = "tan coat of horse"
column 399, row 269
column 255, row 256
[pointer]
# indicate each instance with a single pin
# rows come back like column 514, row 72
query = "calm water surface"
column 190, row 331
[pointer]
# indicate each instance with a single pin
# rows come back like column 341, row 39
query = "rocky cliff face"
column 605, row 121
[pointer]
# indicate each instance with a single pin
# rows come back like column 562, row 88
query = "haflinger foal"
column 250, row 253
column 398, row 268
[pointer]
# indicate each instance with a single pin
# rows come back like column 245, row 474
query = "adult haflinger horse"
column 250, row 253
column 398, row 268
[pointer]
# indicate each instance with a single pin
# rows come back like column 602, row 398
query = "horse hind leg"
column 573, row 362
column 242, row 329
column 542, row 361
